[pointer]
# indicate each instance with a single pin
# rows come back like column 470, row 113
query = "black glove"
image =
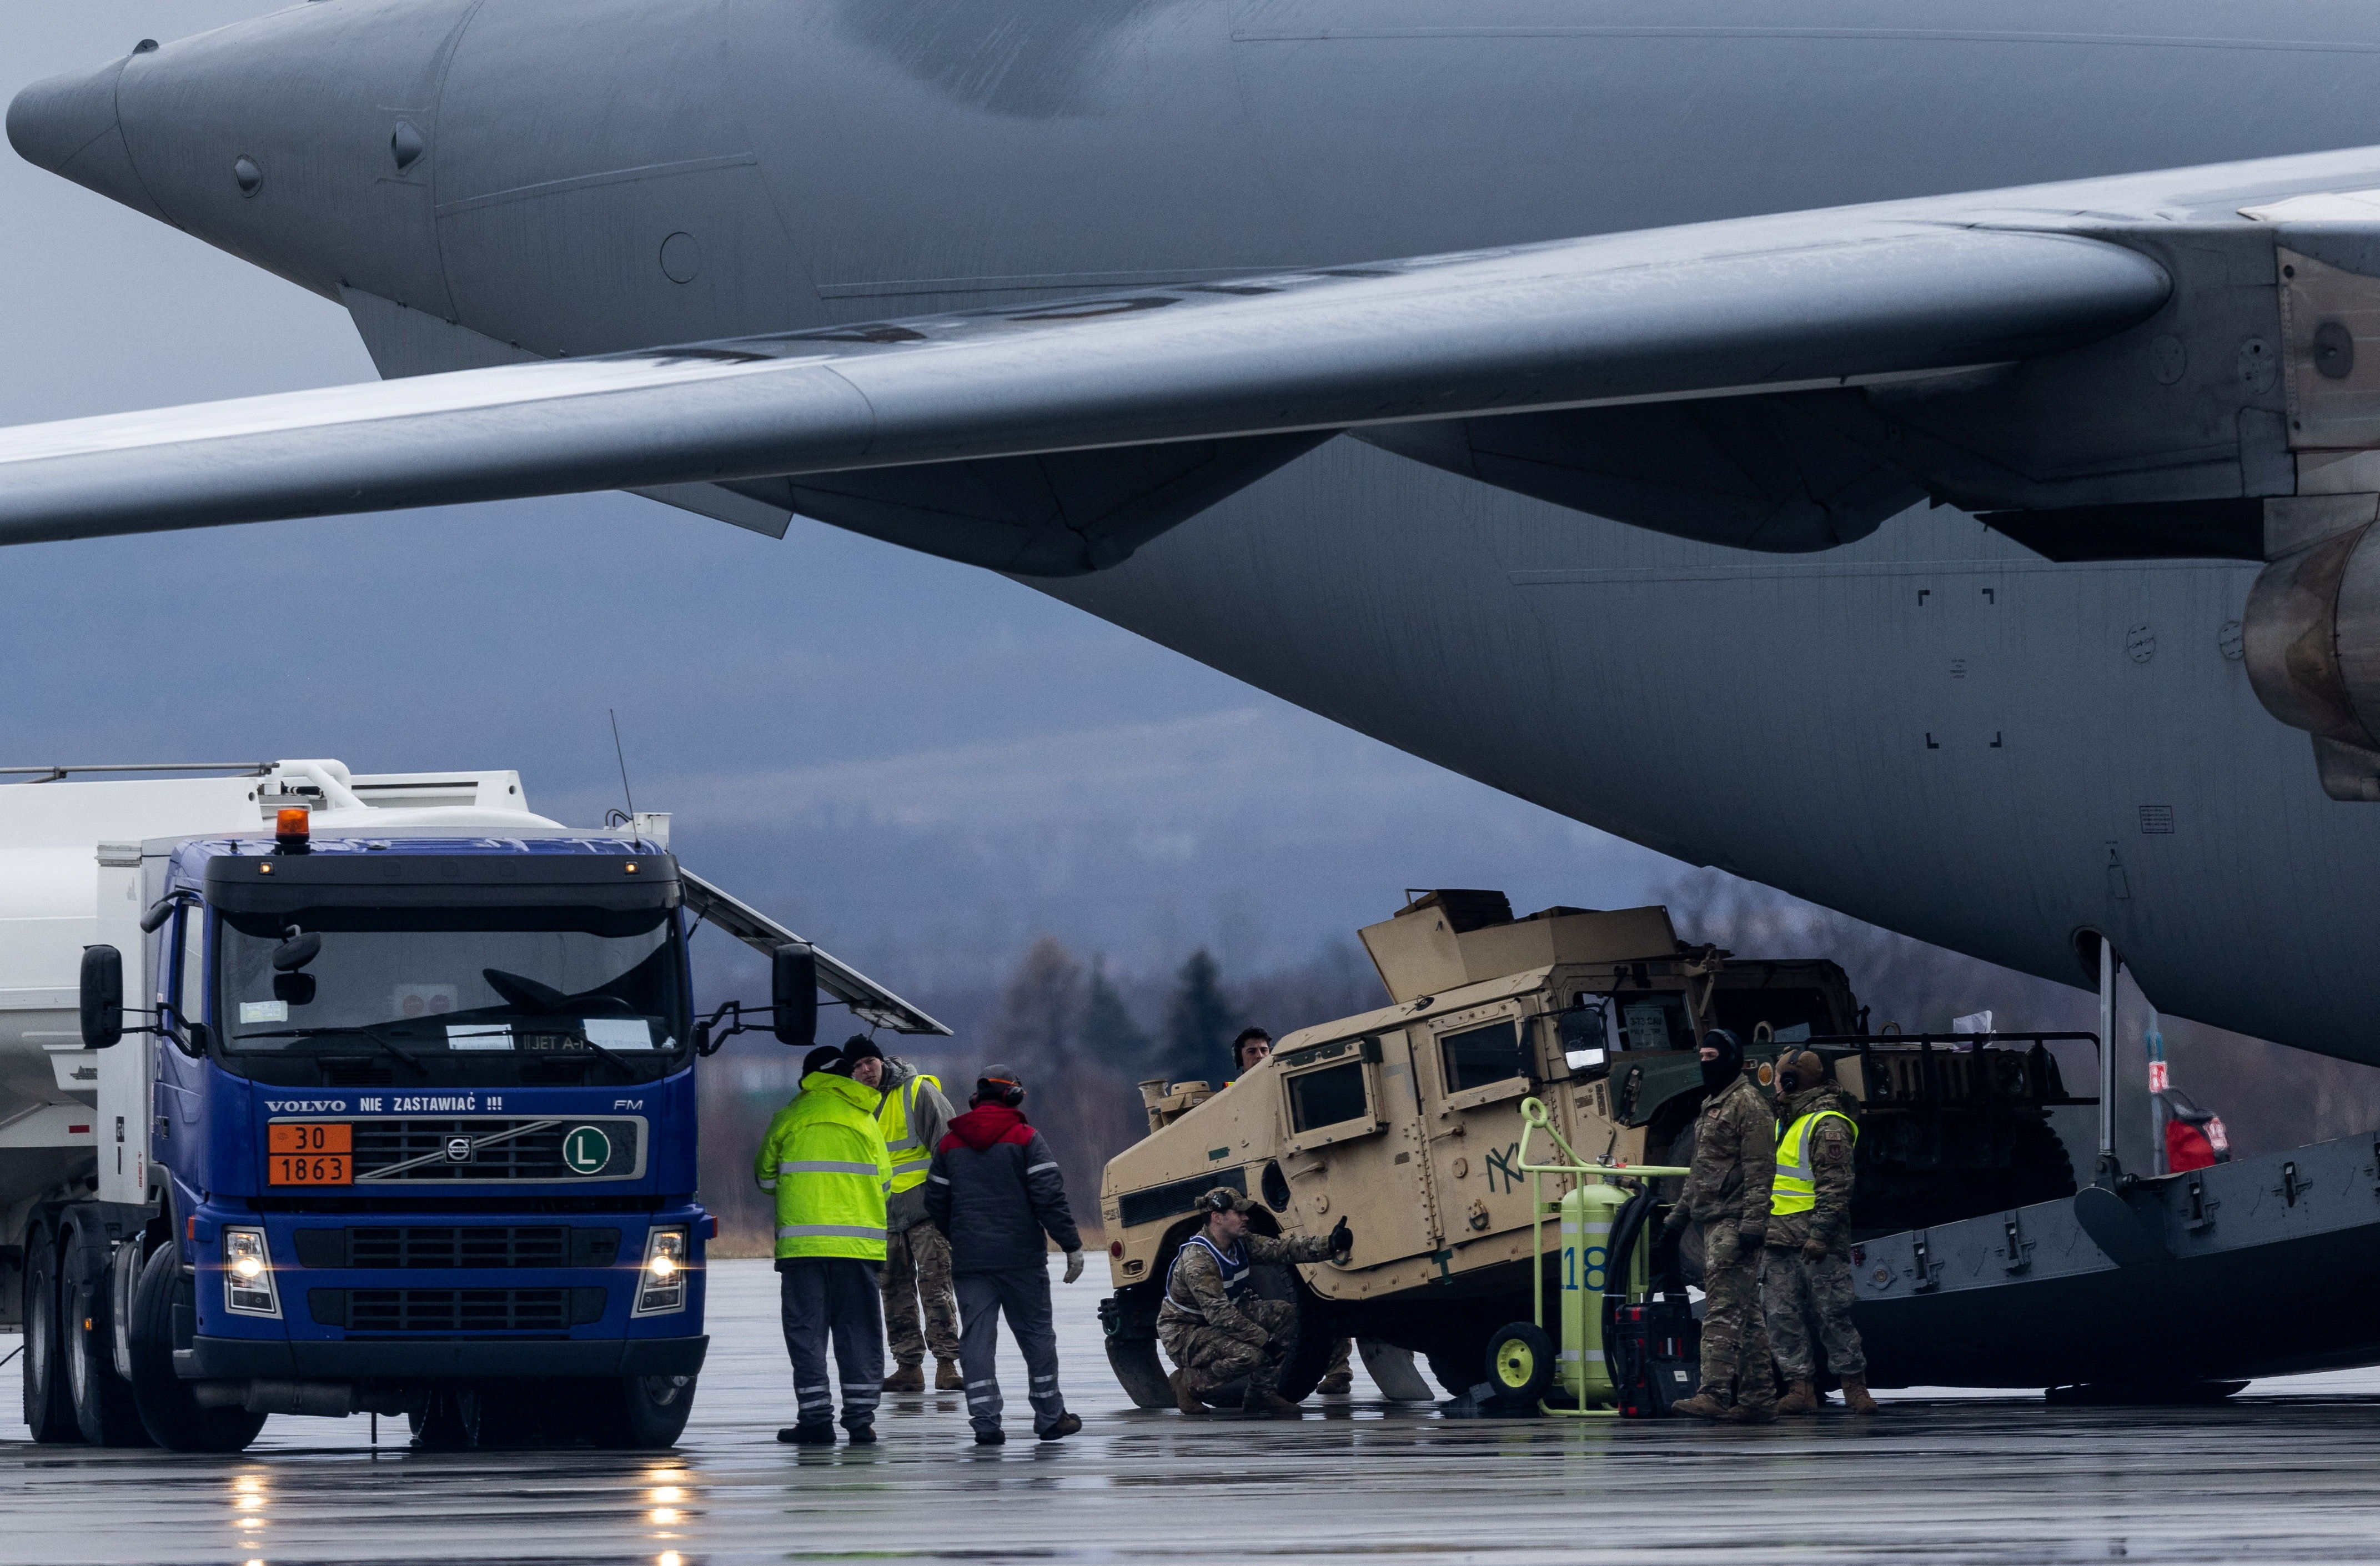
column 1343, row 1242
column 1674, row 1224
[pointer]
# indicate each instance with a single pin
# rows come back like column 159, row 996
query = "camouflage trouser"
column 1213, row 1356
column 1735, row 1343
column 1797, row 1295
column 917, row 1261
column 1338, row 1365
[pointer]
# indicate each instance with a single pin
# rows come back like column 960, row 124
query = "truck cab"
column 394, row 1110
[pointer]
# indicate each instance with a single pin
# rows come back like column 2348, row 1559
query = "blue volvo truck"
column 390, row 1110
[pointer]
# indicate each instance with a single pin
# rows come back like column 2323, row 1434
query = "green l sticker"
column 585, row 1149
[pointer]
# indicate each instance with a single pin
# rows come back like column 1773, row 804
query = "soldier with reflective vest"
column 1805, row 1274
column 824, row 1157
column 1213, row 1323
column 914, row 1115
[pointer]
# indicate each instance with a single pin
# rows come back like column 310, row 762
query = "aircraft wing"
column 1850, row 297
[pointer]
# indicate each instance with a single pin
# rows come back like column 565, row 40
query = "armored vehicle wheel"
column 49, row 1409
column 103, row 1408
column 169, row 1408
column 639, row 1413
column 1520, row 1364
column 1139, row 1372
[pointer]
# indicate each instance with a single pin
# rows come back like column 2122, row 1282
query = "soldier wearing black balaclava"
column 1728, row 1194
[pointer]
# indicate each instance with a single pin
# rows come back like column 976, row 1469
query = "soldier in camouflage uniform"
column 1735, row 1158
column 1805, row 1273
column 1213, row 1324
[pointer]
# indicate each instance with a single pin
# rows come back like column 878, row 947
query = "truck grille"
column 456, row 1310
column 532, row 1155
column 441, row 1246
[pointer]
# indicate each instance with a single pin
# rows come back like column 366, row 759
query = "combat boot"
column 1855, row 1396
column 1335, row 1385
column 1750, row 1413
column 1802, row 1399
column 1269, row 1405
column 1705, row 1404
column 1183, row 1398
column 947, row 1378
column 907, row 1378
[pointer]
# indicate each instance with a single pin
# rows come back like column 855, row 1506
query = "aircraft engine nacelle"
column 2312, row 635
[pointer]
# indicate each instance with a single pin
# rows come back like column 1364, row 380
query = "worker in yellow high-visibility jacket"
column 914, row 1115
column 824, row 1157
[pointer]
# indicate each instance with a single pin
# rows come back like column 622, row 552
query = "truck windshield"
column 500, row 987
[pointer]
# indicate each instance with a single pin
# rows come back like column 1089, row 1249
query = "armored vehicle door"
column 1480, row 1063
column 1352, row 1147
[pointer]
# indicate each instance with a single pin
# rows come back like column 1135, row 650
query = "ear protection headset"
column 1000, row 1090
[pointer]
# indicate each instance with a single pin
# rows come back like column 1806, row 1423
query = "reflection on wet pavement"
column 2291, row 1471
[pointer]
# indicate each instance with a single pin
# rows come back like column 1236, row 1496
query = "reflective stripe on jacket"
column 825, row 1158
column 898, row 1117
column 1796, row 1188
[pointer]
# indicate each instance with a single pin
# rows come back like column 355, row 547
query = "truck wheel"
column 448, row 1420
column 640, row 1412
column 1139, row 1372
column 49, row 1410
column 103, row 1408
column 169, row 1410
column 1520, row 1364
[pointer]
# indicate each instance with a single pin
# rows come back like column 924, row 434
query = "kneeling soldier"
column 1213, row 1324
column 1805, row 1272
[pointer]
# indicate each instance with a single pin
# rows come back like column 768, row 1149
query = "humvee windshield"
column 1654, row 1022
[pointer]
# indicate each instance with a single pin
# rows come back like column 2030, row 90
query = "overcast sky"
column 922, row 762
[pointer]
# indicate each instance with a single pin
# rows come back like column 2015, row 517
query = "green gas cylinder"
column 1587, row 1215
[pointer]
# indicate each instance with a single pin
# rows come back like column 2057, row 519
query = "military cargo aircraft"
column 1919, row 456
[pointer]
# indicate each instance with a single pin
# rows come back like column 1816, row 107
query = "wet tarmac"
column 2289, row 1471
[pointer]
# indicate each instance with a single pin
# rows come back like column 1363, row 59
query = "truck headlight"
column 661, row 1287
column 248, row 1273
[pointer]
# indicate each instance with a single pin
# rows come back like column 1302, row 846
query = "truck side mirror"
column 102, row 997
column 792, row 994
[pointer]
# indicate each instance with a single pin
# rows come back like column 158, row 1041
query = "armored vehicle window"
column 1326, row 1098
column 1478, row 1056
column 1654, row 1022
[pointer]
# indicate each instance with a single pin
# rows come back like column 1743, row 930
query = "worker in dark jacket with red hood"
column 994, row 1190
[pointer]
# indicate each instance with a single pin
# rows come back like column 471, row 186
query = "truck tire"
column 640, row 1412
column 169, row 1410
column 103, row 1408
column 1139, row 1372
column 448, row 1420
column 49, row 1410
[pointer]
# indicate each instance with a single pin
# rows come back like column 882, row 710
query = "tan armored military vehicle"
column 1406, row 1121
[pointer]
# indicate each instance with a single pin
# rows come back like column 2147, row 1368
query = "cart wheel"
column 1520, row 1364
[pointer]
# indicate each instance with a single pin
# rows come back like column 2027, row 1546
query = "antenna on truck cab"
column 623, row 755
